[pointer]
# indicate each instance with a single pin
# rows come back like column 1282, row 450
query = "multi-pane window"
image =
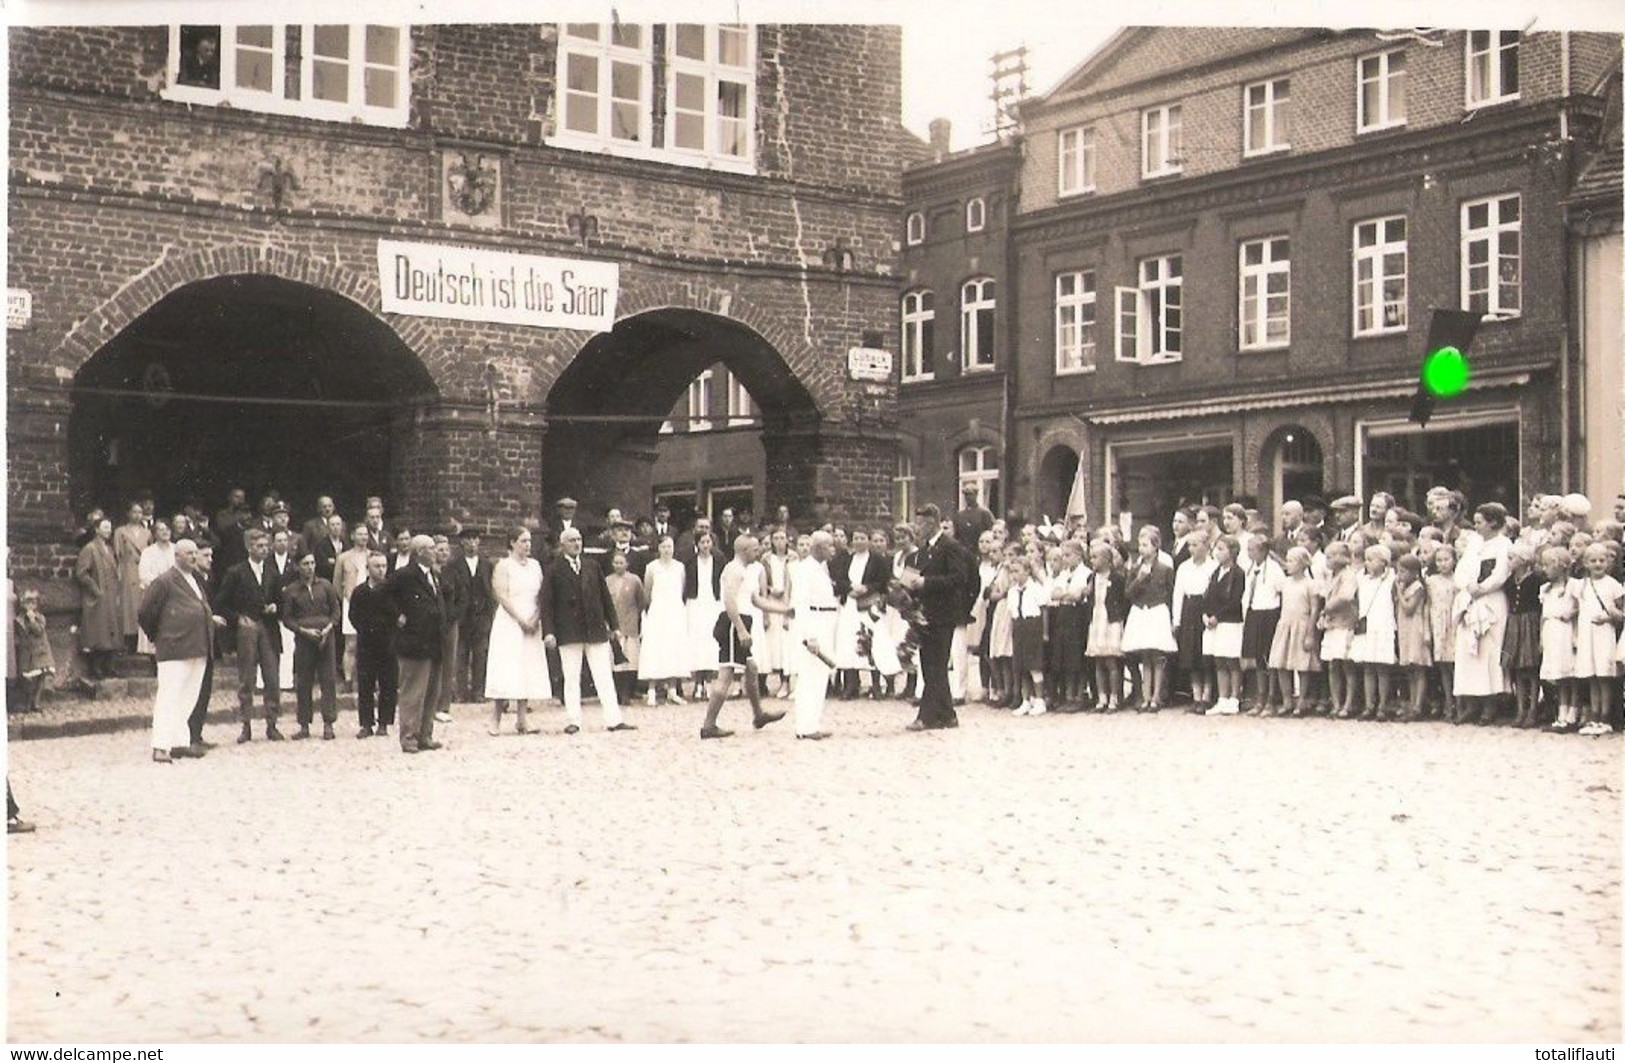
column 975, row 214
column 711, row 111
column 1160, row 141
column 1491, row 255
column 1150, row 321
column 979, row 469
column 740, row 407
column 345, row 72
column 1265, row 105
column 1381, row 80
column 1380, row 276
column 1074, row 322
column 699, row 402
column 1266, row 293
column 1492, row 66
column 1076, row 159
column 977, row 304
column 606, row 79
column 903, row 487
column 919, row 334
column 915, row 229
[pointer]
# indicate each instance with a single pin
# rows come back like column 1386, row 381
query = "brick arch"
column 1264, row 435
column 171, row 272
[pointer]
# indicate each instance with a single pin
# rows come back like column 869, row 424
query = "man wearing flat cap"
column 1346, row 514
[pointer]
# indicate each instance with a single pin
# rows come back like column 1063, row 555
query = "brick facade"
column 120, row 198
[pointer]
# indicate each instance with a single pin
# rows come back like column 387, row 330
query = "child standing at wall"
column 1337, row 618
column 1442, row 626
column 1600, row 599
column 1520, row 651
column 1295, row 649
column 1221, row 615
column 1558, row 608
column 1106, row 606
column 1027, row 597
column 34, row 660
column 1413, row 624
column 1373, row 646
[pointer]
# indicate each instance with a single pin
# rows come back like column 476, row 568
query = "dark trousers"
column 12, row 811
column 936, row 701
column 419, row 680
column 256, row 651
column 338, row 652
column 194, row 722
column 376, row 675
column 313, row 663
column 474, row 640
column 449, row 645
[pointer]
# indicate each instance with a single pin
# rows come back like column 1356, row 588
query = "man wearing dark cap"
column 475, row 635
column 1346, row 514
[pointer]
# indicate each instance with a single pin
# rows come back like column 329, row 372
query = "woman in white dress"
column 516, row 661
column 701, row 582
column 156, row 559
column 663, row 655
column 1481, row 609
column 770, row 649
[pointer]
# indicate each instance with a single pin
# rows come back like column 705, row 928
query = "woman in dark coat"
column 97, row 576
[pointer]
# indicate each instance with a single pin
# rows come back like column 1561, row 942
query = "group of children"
column 1314, row 621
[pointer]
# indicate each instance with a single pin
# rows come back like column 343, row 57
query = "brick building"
column 1227, row 243
column 208, row 223
column 956, row 336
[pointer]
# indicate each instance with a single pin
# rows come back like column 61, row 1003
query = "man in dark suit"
column 175, row 615
column 372, row 614
column 247, row 598
column 937, row 576
column 579, row 619
column 317, row 528
column 310, row 607
column 973, row 520
column 663, row 524
column 420, row 637
column 328, row 546
column 454, row 592
column 475, row 636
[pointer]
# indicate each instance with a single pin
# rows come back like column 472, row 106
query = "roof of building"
column 1599, row 178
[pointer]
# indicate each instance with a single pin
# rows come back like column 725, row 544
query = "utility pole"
column 1009, row 77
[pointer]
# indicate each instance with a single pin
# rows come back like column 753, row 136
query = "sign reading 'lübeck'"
column 470, row 284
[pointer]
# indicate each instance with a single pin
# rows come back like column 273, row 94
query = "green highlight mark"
column 1446, row 372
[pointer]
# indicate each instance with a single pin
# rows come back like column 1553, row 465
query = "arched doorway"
column 1056, row 474
column 244, row 380
column 1294, row 466
column 605, row 412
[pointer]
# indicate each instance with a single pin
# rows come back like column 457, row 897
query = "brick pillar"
column 40, row 509
column 450, row 464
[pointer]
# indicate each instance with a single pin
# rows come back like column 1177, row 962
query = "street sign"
column 868, row 363
column 19, row 308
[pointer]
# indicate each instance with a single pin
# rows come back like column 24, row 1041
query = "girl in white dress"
column 703, row 607
column 663, row 657
column 516, row 661
column 156, row 559
column 1558, row 606
column 770, row 649
column 1374, row 646
column 1600, row 599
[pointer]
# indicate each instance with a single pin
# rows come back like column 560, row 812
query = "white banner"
column 471, row 284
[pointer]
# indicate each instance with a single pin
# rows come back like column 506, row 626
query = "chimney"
column 941, row 133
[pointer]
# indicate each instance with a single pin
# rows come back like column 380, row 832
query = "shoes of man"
column 766, row 718
column 160, row 756
column 816, row 736
column 301, row 734
column 327, row 732
column 431, row 744
column 623, row 726
column 246, row 735
column 183, row 753
column 409, row 747
column 199, row 743
column 365, row 732
column 714, row 732
column 915, row 725
column 442, row 717
column 383, row 730
column 571, row 729
column 19, row 826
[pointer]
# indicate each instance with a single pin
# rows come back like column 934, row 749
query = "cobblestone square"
column 1124, row 878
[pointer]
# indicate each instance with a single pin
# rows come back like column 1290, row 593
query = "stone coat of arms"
column 471, row 186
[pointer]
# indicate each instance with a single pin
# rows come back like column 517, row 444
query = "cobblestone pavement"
column 1135, row 878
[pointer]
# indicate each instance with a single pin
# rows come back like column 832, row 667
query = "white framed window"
column 919, row 335
column 902, row 487
column 975, row 214
column 914, row 229
column 1380, row 86
column 1160, row 141
column 977, row 310
column 740, row 408
column 1075, row 322
column 1492, row 66
column 1266, row 294
column 346, row 72
column 979, row 469
column 1150, row 317
column 711, row 94
column 1075, row 151
column 606, row 84
column 1380, row 276
column 1492, row 256
column 1265, row 105
column 699, row 402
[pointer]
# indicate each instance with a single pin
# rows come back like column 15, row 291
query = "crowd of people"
column 1346, row 609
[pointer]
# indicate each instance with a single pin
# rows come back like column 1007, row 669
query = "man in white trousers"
column 579, row 620
column 813, row 629
column 176, row 615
